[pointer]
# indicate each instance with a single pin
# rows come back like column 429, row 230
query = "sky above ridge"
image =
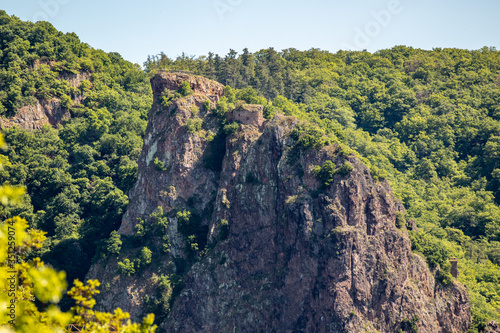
column 136, row 29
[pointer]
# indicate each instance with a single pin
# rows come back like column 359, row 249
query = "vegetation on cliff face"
column 428, row 121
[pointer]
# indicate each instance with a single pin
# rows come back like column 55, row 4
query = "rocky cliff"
column 249, row 240
column 45, row 112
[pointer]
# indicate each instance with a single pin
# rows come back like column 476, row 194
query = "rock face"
column 173, row 80
column 43, row 112
column 283, row 253
column 248, row 114
column 182, row 153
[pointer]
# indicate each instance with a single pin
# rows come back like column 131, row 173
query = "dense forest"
column 427, row 121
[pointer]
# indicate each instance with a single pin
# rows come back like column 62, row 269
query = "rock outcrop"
column 45, row 112
column 34, row 117
column 248, row 115
column 276, row 251
column 173, row 80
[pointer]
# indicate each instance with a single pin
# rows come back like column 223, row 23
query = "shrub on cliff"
column 231, row 128
column 223, row 106
column 328, row 170
column 185, row 89
column 114, row 243
column 193, row 125
column 159, row 165
column 126, row 267
column 145, row 257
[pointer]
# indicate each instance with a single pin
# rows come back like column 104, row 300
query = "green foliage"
column 195, row 235
column 77, row 176
column 482, row 279
column 231, row 128
column 410, row 325
column 167, row 96
column 114, row 243
column 328, row 170
column 66, row 101
column 206, row 105
column 325, row 173
column 155, row 225
column 223, row 106
column 230, row 94
column 192, row 244
column 167, row 289
column 159, row 165
column 144, row 258
column 193, row 125
column 269, row 112
column 164, row 101
column 185, row 89
column 160, row 305
column 344, row 169
column 224, row 229
column 250, row 96
column 285, row 106
column 183, row 217
column 141, row 229
column 107, row 205
column 425, row 170
column 159, row 220
column 378, row 173
column 126, row 267
column 39, row 288
column 311, row 136
column 400, row 220
column 435, row 253
column 194, row 111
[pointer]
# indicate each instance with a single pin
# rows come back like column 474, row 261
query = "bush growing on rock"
column 114, row 243
column 193, row 125
column 185, row 89
column 328, row 170
column 126, row 267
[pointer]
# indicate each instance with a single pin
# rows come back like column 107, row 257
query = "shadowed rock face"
column 296, row 257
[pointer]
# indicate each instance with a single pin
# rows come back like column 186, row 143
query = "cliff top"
column 173, row 80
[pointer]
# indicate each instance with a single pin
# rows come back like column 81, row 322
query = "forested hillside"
column 77, row 175
column 428, row 121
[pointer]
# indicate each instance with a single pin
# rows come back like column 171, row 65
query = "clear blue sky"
column 136, row 29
